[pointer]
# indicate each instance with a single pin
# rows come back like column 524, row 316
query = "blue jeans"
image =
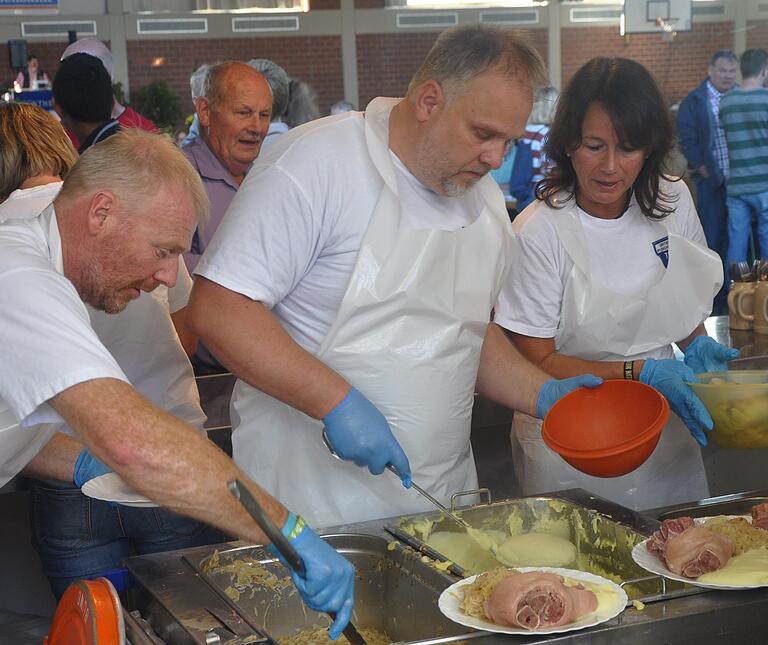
column 710, row 205
column 79, row 537
column 741, row 210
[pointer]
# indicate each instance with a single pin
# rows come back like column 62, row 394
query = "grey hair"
column 278, row 82
column 197, row 80
column 302, row 106
column 544, row 104
column 460, row 54
column 213, row 85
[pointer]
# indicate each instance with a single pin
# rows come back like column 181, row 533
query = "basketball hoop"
column 666, row 25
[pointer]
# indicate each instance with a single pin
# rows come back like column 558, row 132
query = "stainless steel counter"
column 173, row 596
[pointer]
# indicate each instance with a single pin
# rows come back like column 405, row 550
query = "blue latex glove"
column 670, row 377
column 552, row 391
column 328, row 583
column 358, row 432
column 87, row 467
column 705, row 354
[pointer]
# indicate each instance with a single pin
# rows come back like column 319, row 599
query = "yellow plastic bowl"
column 738, row 403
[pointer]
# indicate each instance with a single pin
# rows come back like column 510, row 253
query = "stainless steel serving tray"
column 394, row 591
column 736, row 504
column 603, row 542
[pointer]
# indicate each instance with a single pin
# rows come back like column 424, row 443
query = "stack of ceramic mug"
column 748, row 297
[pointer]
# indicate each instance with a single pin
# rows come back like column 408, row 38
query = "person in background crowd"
column 744, row 117
column 126, row 116
column 34, row 152
column 97, row 244
column 502, row 174
column 302, row 104
column 234, row 108
column 143, row 340
column 702, row 142
column 609, row 268
column 31, row 76
column 82, row 97
column 196, row 82
column 278, row 83
column 342, row 106
column 351, row 284
column 537, row 129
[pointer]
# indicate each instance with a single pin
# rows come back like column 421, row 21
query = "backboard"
column 656, row 16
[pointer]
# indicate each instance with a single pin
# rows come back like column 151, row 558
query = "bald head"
column 235, row 110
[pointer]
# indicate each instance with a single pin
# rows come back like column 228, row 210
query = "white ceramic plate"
column 111, row 488
column 451, row 597
column 653, row 564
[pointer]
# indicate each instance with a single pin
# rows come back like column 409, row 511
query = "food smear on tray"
column 532, row 600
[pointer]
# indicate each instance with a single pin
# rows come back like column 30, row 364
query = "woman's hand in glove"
column 358, row 432
column 705, row 354
column 552, row 391
column 671, row 378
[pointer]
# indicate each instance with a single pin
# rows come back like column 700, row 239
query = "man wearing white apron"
column 380, row 246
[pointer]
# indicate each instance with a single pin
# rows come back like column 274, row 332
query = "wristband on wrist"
column 292, row 528
column 629, row 370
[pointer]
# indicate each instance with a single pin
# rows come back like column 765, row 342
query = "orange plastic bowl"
column 609, row 430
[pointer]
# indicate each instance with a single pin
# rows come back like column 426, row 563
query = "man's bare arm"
column 506, row 376
column 56, row 460
column 249, row 341
column 160, row 456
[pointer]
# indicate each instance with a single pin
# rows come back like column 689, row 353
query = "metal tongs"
column 281, row 543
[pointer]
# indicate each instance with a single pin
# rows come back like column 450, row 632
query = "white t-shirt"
column 141, row 338
column 625, row 253
column 292, row 233
column 48, row 343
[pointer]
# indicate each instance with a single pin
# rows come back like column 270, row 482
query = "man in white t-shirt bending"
column 351, row 286
column 100, row 243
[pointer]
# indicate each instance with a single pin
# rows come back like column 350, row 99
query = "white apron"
column 408, row 335
column 598, row 323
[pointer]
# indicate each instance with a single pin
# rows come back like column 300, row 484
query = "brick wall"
column 316, row 60
column 386, row 62
column 678, row 66
column 757, row 34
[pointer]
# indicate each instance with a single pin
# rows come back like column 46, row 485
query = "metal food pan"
column 740, row 504
column 395, row 592
column 603, row 544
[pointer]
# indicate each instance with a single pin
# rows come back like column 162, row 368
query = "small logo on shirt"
column 661, row 248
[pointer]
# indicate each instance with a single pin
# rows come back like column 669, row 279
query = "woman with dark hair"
column 610, row 267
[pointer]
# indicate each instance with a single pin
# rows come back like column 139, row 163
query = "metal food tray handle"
column 474, row 491
column 688, row 590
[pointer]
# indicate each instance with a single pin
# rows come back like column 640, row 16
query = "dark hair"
column 32, row 57
column 630, row 96
column 753, row 61
column 83, row 89
column 723, row 53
